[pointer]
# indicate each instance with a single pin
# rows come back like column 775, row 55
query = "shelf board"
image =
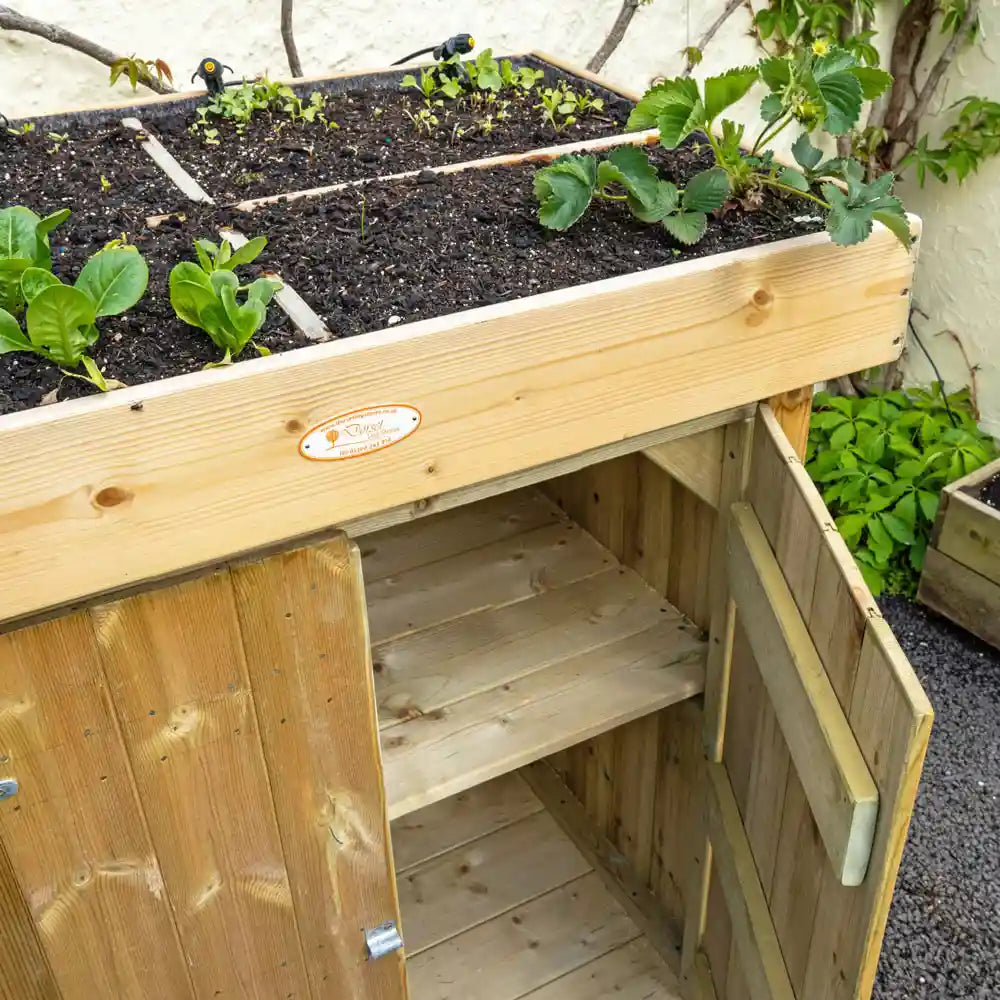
column 503, row 906
column 503, row 632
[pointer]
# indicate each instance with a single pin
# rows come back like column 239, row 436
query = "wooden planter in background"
column 961, row 575
column 625, row 699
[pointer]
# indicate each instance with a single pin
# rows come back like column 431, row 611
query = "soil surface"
column 46, row 174
column 375, row 136
column 943, row 937
column 439, row 244
column 431, row 246
column 148, row 342
column 989, row 492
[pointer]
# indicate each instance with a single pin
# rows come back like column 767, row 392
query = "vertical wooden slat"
column 636, row 762
column 24, row 967
column 305, row 634
column 75, row 835
column 793, row 410
column 891, row 718
column 175, row 665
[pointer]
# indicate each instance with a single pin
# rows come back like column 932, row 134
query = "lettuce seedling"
column 821, row 89
column 60, row 320
column 206, row 295
column 24, row 243
column 566, row 189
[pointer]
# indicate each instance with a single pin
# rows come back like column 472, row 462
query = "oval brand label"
column 360, row 432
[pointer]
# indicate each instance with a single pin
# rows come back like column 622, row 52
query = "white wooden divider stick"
column 295, row 307
column 165, row 161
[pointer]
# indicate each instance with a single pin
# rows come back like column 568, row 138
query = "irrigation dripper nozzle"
column 210, row 70
column 457, row 45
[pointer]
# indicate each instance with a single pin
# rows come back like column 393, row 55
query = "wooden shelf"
column 497, row 903
column 502, row 632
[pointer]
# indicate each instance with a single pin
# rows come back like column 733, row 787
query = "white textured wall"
column 37, row 77
column 959, row 273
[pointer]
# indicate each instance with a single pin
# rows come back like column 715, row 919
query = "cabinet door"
column 200, row 809
column 825, row 733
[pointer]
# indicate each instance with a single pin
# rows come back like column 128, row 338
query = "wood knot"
column 112, row 496
column 294, row 426
column 762, row 297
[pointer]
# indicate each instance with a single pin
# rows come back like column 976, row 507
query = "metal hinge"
column 383, row 940
column 8, row 788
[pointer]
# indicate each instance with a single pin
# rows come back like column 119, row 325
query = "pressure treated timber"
column 961, row 573
column 502, row 632
column 753, row 932
column 694, row 461
column 505, row 906
column 840, row 790
column 208, row 464
column 830, row 934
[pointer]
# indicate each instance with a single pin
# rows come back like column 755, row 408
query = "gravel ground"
column 943, row 938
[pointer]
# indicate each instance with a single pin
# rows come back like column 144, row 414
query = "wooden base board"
column 502, row 632
column 497, row 904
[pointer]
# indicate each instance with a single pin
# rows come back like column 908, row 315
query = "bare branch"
column 12, row 20
column 288, row 37
column 731, row 7
column 615, row 36
column 939, row 69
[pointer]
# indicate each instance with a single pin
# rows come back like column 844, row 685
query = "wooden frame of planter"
column 961, row 574
column 630, row 604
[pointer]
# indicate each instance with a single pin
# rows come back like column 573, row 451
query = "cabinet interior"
column 539, row 658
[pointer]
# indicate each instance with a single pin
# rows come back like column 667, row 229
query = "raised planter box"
column 961, row 575
column 213, row 705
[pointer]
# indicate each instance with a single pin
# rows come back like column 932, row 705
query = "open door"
column 195, row 803
column 825, row 734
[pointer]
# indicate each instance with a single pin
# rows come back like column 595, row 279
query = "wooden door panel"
column 829, row 934
column 305, row 632
column 201, row 809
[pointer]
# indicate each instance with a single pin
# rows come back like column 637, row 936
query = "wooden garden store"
column 508, row 653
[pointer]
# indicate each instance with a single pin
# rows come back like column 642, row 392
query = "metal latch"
column 383, row 940
column 8, row 788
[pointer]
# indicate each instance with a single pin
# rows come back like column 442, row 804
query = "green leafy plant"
column 424, row 120
column 238, row 105
column 24, row 243
column 891, row 139
column 60, row 323
column 881, row 462
column 965, row 144
column 561, row 106
column 25, row 128
column 138, row 71
column 566, row 188
column 821, row 89
column 207, row 295
column 452, row 78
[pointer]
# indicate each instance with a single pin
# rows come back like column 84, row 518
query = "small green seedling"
column 60, row 320
column 562, row 107
column 25, row 128
column 206, row 295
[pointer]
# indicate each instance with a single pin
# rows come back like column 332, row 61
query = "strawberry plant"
column 207, row 295
column 881, row 462
column 820, row 89
column 566, row 189
column 24, row 243
column 60, row 322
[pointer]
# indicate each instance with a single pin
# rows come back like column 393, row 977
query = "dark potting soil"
column 442, row 243
column 989, row 492
column 46, row 174
column 375, row 137
column 148, row 342
column 431, row 245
